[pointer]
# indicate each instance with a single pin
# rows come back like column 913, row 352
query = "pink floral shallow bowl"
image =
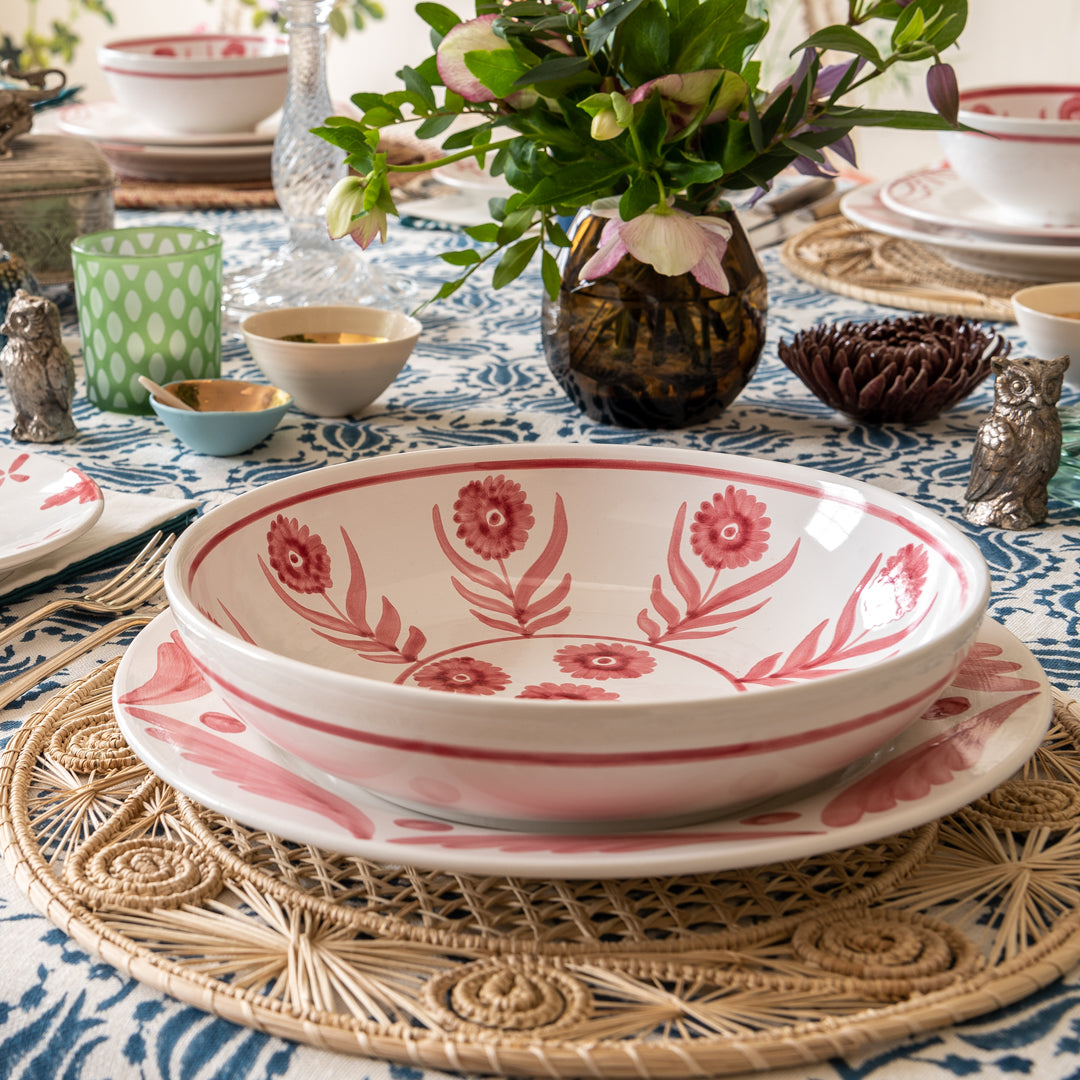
column 575, row 635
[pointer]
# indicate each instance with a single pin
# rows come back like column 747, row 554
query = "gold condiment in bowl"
column 333, row 337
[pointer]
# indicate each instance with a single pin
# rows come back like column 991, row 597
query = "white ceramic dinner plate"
column 937, row 195
column 44, row 504
column 984, row 726
column 964, row 247
column 109, row 121
column 191, row 164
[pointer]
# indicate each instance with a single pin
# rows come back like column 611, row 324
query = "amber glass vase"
column 639, row 349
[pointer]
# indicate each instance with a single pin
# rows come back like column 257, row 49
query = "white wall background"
column 1005, row 41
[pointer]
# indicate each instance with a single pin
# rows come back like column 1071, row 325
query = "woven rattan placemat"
column 841, row 257
column 166, row 195
column 700, row 975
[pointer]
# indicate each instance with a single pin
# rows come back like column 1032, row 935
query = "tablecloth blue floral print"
column 478, row 376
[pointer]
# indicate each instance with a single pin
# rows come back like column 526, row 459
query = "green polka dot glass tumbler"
column 149, row 302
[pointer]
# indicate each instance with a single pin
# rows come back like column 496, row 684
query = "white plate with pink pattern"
column 44, row 504
column 982, row 728
column 937, row 195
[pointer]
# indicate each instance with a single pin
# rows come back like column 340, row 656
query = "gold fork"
column 15, row 688
column 129, row 589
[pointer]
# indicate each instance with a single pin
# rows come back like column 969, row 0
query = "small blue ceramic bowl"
column 231, row 415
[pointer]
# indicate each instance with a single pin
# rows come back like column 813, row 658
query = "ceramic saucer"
column 937, row 195
column 964, row 247
column 44, row 504
column 979, row 732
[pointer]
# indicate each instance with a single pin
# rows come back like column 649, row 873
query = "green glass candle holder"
column 149, row 302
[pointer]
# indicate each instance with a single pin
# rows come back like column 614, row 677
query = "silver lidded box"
column 53, row 188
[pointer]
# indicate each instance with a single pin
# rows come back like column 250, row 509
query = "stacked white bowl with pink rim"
column 545, row 635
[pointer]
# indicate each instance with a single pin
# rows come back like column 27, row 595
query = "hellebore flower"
column 343, row 205
column 684, row 95
column 474, row 35
column 671, row 241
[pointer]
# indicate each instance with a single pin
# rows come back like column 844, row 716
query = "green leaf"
column 576, row 185
column 843, row 39
column 904, row 119
column 650, row 127
column 462, row 257
column 441, row 19
column 715, row 34
column 417, row 85
column 643, row 44
column 483, row 234
column 909, row 27
column 944, row 20
column 434, row 125
column 557, row 74
column 550, row 274
column 516, row 224
column 366, row 101
column 467, row 137
column 640, row 196
column 448, row 288
column 498, row 69
column 337, row 22
column 597, row 32
column 514, row 260
column 429, row 70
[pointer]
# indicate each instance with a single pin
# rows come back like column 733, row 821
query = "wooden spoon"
column 167, row 396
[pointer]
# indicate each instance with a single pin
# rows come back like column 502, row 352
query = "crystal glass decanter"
column 309, row 268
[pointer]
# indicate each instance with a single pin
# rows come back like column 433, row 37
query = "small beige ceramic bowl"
column 337, row 377
column 1049, row 318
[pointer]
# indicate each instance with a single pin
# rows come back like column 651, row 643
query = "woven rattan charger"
column 698, row 975
column 839, row 256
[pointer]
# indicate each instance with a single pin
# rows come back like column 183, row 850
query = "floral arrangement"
column 649, row 112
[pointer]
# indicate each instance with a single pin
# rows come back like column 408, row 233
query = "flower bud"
column 605, row 125
column 943, row 92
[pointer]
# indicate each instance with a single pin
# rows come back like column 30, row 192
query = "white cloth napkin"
column 126, row 523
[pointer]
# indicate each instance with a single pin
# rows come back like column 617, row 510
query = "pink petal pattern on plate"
column 911, row 775
column 253, row 773
column 981, row 671
column 176, row 678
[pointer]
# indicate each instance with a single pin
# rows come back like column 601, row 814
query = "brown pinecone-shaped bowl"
column 902, row 370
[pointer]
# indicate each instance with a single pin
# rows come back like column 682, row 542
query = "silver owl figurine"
column 38, row 371
column 1018, row 445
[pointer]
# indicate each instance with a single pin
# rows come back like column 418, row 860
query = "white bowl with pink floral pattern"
column 556, row 635
column 1024, row 152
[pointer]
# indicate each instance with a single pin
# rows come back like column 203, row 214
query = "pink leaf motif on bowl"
column 78, row 486
column 728, row 532
column 495, row 521
column 982, row 671
column 176, row 678
column 900, row 583
column 253, row 773
column 910, row 776
column 301, row 562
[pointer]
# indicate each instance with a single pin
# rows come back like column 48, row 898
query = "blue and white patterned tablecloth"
column 478, row 376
